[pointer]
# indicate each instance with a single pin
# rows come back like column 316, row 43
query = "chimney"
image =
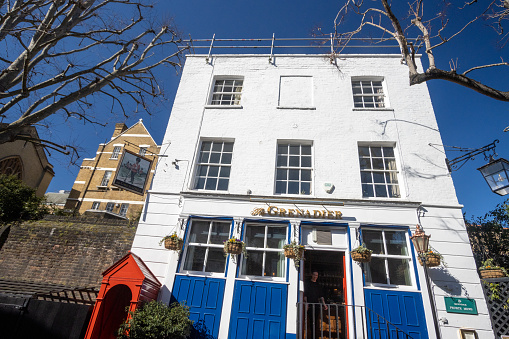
column 119, row 129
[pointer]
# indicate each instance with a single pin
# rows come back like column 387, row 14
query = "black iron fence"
column 318, row 322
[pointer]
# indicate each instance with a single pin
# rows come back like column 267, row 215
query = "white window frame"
column 264, row 249
column 385, row 256
column 370, row 80
column 116, row 152
column 385, row 171
column 200, row 166
column 110, row 206
column 206, row 245
column 121, row 211
column 299, row 168
column 220, row 81
column 106, row 178
column 95, row 205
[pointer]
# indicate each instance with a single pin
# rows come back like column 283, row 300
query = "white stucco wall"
column 335, row 130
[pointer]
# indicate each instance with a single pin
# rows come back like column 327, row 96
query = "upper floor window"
column 109, row 207
column 379, row 175
column 293, row 169
column 143, row 151
column 368, row 93
column 205, row 247
column 214, row 165
column 227, row 92
column 264, row 246
column 390, row 261
column 116, row 152
column 95, row 205
column 123, row 209
column 106, row 178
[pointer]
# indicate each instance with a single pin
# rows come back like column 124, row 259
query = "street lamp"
column 421, row 244
column 496, row 175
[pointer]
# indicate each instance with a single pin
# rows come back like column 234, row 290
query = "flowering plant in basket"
column 490, row 270
column 433, row 258
column 294, row 251
column 234, row 246
column 172, row 242
column 361, row 253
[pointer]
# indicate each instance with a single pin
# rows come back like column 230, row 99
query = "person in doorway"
column 314, row 299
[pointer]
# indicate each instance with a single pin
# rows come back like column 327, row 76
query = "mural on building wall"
column 132, row 172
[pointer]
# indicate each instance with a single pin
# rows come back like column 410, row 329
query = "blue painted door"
column 403, row 309
column 204, row 296
column 258, row 310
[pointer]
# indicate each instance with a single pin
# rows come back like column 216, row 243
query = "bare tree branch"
column 67, row 51
column 371, row 14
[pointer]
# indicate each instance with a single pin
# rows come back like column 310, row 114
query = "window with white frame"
column 143, row 151
column 116, row 152
column 214, row 165
column 390, row 260
column 123, row 209
column 227, row 92
column 379, row 175
column 293, row 169
column 264, row 246
column 95, row 205
column 205, row 246
column 106, row 178
column 110, row 206
column 368, row 93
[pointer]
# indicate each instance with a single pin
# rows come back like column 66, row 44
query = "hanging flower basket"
column 294, row 251
column 233, row 246
column 432, row 259
column 490, row 270
column 172, row 242
column 361, row 254
column 487, row 274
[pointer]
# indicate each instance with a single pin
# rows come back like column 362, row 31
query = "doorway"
column 330, row 266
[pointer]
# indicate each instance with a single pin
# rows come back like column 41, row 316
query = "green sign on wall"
column 460, row 305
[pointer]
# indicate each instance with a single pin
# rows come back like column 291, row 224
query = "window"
column 116, row 152
column 293, row 169
column 123, row 209
column 368, row 93
column 205, row 246
column 264, row 244
column 106, row 178
column 143, row 150
column 227, row 92
column 390, row 261
column 95, row 205
column 214, row 164
column 109, row 207
column 379, row 175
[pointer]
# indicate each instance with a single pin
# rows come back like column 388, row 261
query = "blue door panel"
column 204, row 296
column 402, row 309
column 258, row 310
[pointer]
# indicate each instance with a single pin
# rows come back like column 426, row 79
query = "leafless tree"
column 61, row 54
column 416, row 28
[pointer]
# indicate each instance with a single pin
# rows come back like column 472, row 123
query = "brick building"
column 93, row 191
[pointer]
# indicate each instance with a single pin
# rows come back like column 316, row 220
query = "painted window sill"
column 388, row 109
column 295, row 107
column 224, row 106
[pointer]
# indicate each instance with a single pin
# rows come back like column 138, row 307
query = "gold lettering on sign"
column 281, row 212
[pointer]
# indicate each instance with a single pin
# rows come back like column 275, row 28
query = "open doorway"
column 330, row 266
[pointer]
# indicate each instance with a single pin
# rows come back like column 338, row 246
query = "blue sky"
column 465, row 118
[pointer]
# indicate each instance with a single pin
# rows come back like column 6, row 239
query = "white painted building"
column 324, row 153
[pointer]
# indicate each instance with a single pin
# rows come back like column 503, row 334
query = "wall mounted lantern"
column 496, row 174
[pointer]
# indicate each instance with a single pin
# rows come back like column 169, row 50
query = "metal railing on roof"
column 322, row 44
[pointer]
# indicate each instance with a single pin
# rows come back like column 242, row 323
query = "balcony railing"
column 317, row 323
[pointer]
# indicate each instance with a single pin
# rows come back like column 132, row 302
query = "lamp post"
column 421, row 244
